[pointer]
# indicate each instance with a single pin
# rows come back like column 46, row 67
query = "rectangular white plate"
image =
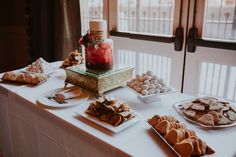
column 109, row 126
column 209, row 150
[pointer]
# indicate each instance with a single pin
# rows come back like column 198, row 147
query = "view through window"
column 146, row 16
column 220, row 20
column 90, row 10
column 218, row 80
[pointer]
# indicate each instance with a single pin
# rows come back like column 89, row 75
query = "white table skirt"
column 29, row 130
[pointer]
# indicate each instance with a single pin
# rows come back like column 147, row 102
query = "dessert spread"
column 40, row 66
column 98, row 48
column 110, row 110
column 148, row 84
column 209, row 111
column 181, row 139
column 24, row 77
column 75, row 58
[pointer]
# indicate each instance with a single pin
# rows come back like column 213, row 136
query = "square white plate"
column 108, row 126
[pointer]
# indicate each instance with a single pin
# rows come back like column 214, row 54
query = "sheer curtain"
column 54, row 28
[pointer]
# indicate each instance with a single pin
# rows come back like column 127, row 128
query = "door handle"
column 179, row 32
column 179, row 38
column 191, row 41
column 192, row 33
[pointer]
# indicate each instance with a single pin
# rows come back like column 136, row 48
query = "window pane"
column 220, row 20
column 146, row 16
column 90, row 10
column 217, row 80
column 143, row 61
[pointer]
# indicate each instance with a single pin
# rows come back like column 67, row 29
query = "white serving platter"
column 115, row 129
column 209, row 150
column 176, row 106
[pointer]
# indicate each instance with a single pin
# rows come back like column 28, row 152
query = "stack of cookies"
column 209, row 111
column 75, row 58
column 184, row 141
column 110, row 110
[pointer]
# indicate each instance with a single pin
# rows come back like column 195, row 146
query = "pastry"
column 75, row 58
column 40, row 66
column 24, row 77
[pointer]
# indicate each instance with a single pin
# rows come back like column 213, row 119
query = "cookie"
column 215, row 116
column 187, row 105
column 163, row 127
column 204, row 100
column 233, row 108
column 175, row 136
column 223, row 121
column 197, row 149
column 198, row 107
column 189, row 133
column 190, row 113
column 202, row 146
column 232, row 115
column 207, row 119
column 155, row 120
column 215, row 105
column 184, row 148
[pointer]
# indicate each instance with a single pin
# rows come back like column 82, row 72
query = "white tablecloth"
column 30, row 130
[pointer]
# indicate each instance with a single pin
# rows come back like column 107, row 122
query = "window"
column 90, row 10
column 220, row 20
column 160, row 65
column 218, row 80
column 146, row 16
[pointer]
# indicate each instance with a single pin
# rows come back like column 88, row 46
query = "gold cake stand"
column 98, row 82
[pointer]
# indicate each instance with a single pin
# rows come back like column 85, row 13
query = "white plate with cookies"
column 208, row 112
column 148, row 87
column 152, row 97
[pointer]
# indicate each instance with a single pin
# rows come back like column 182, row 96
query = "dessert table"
column 28, row 129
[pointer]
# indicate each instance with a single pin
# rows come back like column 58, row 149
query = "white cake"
column 98, row 25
